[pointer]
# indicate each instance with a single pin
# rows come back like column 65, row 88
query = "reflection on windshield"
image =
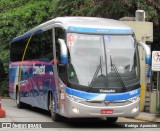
column 90, row 60
column 96, row 73
column 122, row 50
column 85, row 52
column 117, row 73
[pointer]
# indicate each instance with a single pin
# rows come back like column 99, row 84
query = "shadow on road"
column 90, row 123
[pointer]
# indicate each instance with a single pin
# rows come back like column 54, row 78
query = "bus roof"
column 82, row 25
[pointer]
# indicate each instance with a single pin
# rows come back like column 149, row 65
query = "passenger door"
column 59, row 69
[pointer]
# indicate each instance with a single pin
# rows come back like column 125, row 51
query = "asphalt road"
column 31, row 115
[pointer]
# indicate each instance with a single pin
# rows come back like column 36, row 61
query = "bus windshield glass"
column 101, row 61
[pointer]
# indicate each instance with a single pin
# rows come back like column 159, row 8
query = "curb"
column 6, row 97
column 147, row 119
column 144, row 119
column 157, row 119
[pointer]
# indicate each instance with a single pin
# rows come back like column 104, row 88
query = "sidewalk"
column 147, row 117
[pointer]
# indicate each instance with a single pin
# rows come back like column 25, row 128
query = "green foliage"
column 106, row 8
column 4, row 92
column 151, row 12
column 22, row 16
column 2, row 71
column 18, row 16
column 4, row 57
column 101, row 8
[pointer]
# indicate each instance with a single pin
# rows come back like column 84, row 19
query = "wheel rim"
column 51, row 104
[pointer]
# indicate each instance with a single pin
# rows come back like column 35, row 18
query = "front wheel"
column 55, row 117
column 112, row 119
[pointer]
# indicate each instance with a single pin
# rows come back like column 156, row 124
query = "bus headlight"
column 134, row 99
column 75, row 110
column 75, row 98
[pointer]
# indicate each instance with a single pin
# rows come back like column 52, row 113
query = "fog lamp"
column 75, row 110
column 134, row 110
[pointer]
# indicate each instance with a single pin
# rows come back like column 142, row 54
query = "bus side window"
column 31, row 52
column 47, row 45
column 60, row 34
column 17, row 49
column 40, row 46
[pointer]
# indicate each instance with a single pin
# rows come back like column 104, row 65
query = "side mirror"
column 147, row 52
column 63, row 51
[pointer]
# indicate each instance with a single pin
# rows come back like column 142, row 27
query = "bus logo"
column 107, row 103
column 106, row 91
column 38, row 70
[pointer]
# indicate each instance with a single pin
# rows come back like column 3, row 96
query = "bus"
column 77, row 67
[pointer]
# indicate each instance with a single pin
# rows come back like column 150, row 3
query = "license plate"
column 107, row 111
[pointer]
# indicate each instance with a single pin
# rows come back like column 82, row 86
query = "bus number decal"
column 133, row 92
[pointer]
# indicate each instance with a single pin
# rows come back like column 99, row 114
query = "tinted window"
column 17, row 49
column 47, row 45
column 40, row 46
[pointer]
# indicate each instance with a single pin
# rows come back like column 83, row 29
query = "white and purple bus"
column 77, row 67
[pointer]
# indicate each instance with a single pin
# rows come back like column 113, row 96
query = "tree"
column 17, row 17
column 2, row 71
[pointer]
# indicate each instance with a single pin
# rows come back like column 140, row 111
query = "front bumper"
column 74, row 109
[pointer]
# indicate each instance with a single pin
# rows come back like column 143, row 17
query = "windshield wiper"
column 96, row 73
column 118, row 75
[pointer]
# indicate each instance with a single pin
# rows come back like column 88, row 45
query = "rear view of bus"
column 95, row 72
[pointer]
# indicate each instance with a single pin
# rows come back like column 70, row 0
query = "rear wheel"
column 112, row 119
column 18, row 102
column 55, row 117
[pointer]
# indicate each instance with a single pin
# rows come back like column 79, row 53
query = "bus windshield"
column 101, row 61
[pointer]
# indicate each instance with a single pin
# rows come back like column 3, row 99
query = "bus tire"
column 55, row 117
column 112, row 119
column 18, row 102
